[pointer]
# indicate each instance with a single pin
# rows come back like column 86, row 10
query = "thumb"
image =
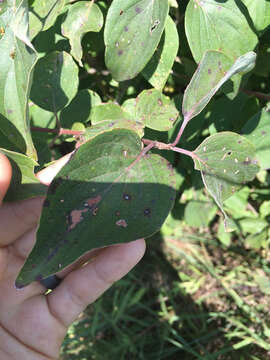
column 5, row 176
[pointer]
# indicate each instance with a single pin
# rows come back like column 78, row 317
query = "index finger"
column 5, row 175
column 18, row 217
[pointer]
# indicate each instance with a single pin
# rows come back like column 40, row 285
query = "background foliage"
column 199, row 293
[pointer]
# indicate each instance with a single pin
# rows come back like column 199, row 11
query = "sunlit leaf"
column 218, row 25
column 257, row 131
column 43, row 15
column 213, row 71
column 82, row 17
column 160, row 65
column 226, row 161
column 155, row 110
column 16, row 65
column 24, row 184
column 133, row 29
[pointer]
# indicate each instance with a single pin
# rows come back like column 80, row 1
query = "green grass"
column 189, row 298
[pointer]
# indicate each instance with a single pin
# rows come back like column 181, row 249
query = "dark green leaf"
column 257, row 131
column 16, row 64
column 132, row 32
column 80, row 108
column 155, row 110
column 226, row 161
column 99, row 199
column 159, row 67
column 55, row 81
column 82, row 17
column 218, row 25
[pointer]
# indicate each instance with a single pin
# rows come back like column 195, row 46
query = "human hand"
column 32, row 325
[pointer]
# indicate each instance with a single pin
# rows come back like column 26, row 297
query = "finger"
column 86, row 284
column 17, row 218
column 5, row 175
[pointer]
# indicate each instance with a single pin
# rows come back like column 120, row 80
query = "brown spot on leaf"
column 74, row 218
column 160, row 103
column 120, row 52
column 93, row 201
column 138, row 10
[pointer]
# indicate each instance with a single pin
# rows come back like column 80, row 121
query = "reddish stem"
column 258, row 94
column 59, row 131
column 182, row 128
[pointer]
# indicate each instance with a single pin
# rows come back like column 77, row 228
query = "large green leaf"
column 82, row 17
column 43, row 15
column 16, row 64
column 159, row 67
column 257, row 131
column 218, row 25
column 24, row 184
column 155, row 110
column 55, row 81
column 213, row 71
column 132, row 32
column 99, row 199
column 226, row 161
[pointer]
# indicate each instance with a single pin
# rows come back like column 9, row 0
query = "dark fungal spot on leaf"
column 46, row 203
column 209, row 71
column 154, row 26
column 147, row 212
column 263, row 132
column 117, row 213
column 138, row 10
column 239, row 141
column 126, row 29
column 121, row 12
column 229, row 153
column 120, row 52
column 126, row 197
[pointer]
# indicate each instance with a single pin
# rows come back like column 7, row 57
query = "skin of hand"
column 32, row 325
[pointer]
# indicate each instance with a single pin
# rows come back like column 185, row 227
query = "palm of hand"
column 32, row 325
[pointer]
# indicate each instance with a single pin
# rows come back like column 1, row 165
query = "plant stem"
column 182, row 128
column 163, row 146
column 59, row 131
column 258, row 94
column 184, row 151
